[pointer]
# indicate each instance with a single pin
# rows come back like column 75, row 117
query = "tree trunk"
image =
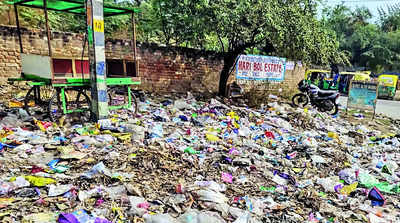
column 229, row 61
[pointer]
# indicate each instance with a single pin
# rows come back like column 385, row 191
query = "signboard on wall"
column 363, row 95
column 290, row 65
column 260, row 68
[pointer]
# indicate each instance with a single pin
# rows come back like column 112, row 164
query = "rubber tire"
column 42, row 101
column 87, row 99
column 26, row 99
column 56, row 100
column 300, row 95
column 134, row 103
column 133, row 97
column 336, row 109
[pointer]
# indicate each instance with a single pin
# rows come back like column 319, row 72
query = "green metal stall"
column 89, row 86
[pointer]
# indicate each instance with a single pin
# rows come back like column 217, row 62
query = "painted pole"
column 47, row 27
column 95, row 32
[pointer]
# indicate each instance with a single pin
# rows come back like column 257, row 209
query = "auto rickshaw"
column 320, row 78
column 345, row 78
column 387, row 85
column 361, row 77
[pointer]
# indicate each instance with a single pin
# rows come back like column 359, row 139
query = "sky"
column 372, row 5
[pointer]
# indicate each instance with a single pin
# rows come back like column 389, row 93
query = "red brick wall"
column 161, row 68
column 171, row 68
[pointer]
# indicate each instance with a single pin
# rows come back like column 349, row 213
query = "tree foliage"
column 275, row 27
column 285, row 28
column 373, row 46
column 390, row 18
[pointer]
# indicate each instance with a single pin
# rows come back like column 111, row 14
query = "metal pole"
column 97, row 58
column 47, row 26
column 134, row 45
column 134, row 36
column 18, row 28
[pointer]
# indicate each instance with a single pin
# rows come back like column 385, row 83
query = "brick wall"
column 160, row 68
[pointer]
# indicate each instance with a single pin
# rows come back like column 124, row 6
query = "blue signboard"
column 362, row 95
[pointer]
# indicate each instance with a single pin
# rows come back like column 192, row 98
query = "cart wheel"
column 117, row 96
column 37, row 98
column 74, row 99
column 134, row 103
column 55, row 108
column 82, row 101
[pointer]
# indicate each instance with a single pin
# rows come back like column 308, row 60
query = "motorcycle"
column 325, row 101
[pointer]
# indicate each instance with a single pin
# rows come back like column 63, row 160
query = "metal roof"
column 72, row 6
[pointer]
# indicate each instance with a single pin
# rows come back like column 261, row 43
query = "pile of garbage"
column 185, row 160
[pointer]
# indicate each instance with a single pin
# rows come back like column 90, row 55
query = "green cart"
column 62, row 85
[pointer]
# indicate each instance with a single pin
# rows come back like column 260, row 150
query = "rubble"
column 184, row 160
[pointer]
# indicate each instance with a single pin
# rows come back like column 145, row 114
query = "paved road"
column 389, row 108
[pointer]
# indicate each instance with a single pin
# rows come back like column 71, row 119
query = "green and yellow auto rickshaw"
column 320, row 78
column 346, row 77
column 326, row 81
column 387, row 85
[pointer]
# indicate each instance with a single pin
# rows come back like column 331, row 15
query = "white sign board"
column 260, row 68
column 36, row 65
column 289, row 65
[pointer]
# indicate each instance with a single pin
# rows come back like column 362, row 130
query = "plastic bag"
column 369, row 181
column 83, row 195
column 39, row 181
column 181, row 104
column 46, row 217
column 212, row 196
column 245, row 218
column 317, row 159
column 212, row 137
column 80, row 216
column 59, row 190
column 190, row 150
column 99, row 168
column 376, row 197
column 116, row 192
column 159, row 218
column 135, row 208
column 348, row 175
column 226, row 177
column 194, row 216
column 157, row 131
column 212, row 185
column 348, row 189
column 328, row 183
column 68, row 152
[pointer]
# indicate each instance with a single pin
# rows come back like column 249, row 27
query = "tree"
column 373, row 46
column 286, row 28
column 390, row 20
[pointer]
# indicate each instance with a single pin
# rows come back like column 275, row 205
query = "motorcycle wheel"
column 300, row 100
column 334, row 110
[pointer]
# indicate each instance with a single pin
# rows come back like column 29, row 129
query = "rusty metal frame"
column 47, row 27
column 18, row 29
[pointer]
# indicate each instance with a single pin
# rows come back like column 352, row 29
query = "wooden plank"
column 124, row 65
column 66, row 58
column 73, row 68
